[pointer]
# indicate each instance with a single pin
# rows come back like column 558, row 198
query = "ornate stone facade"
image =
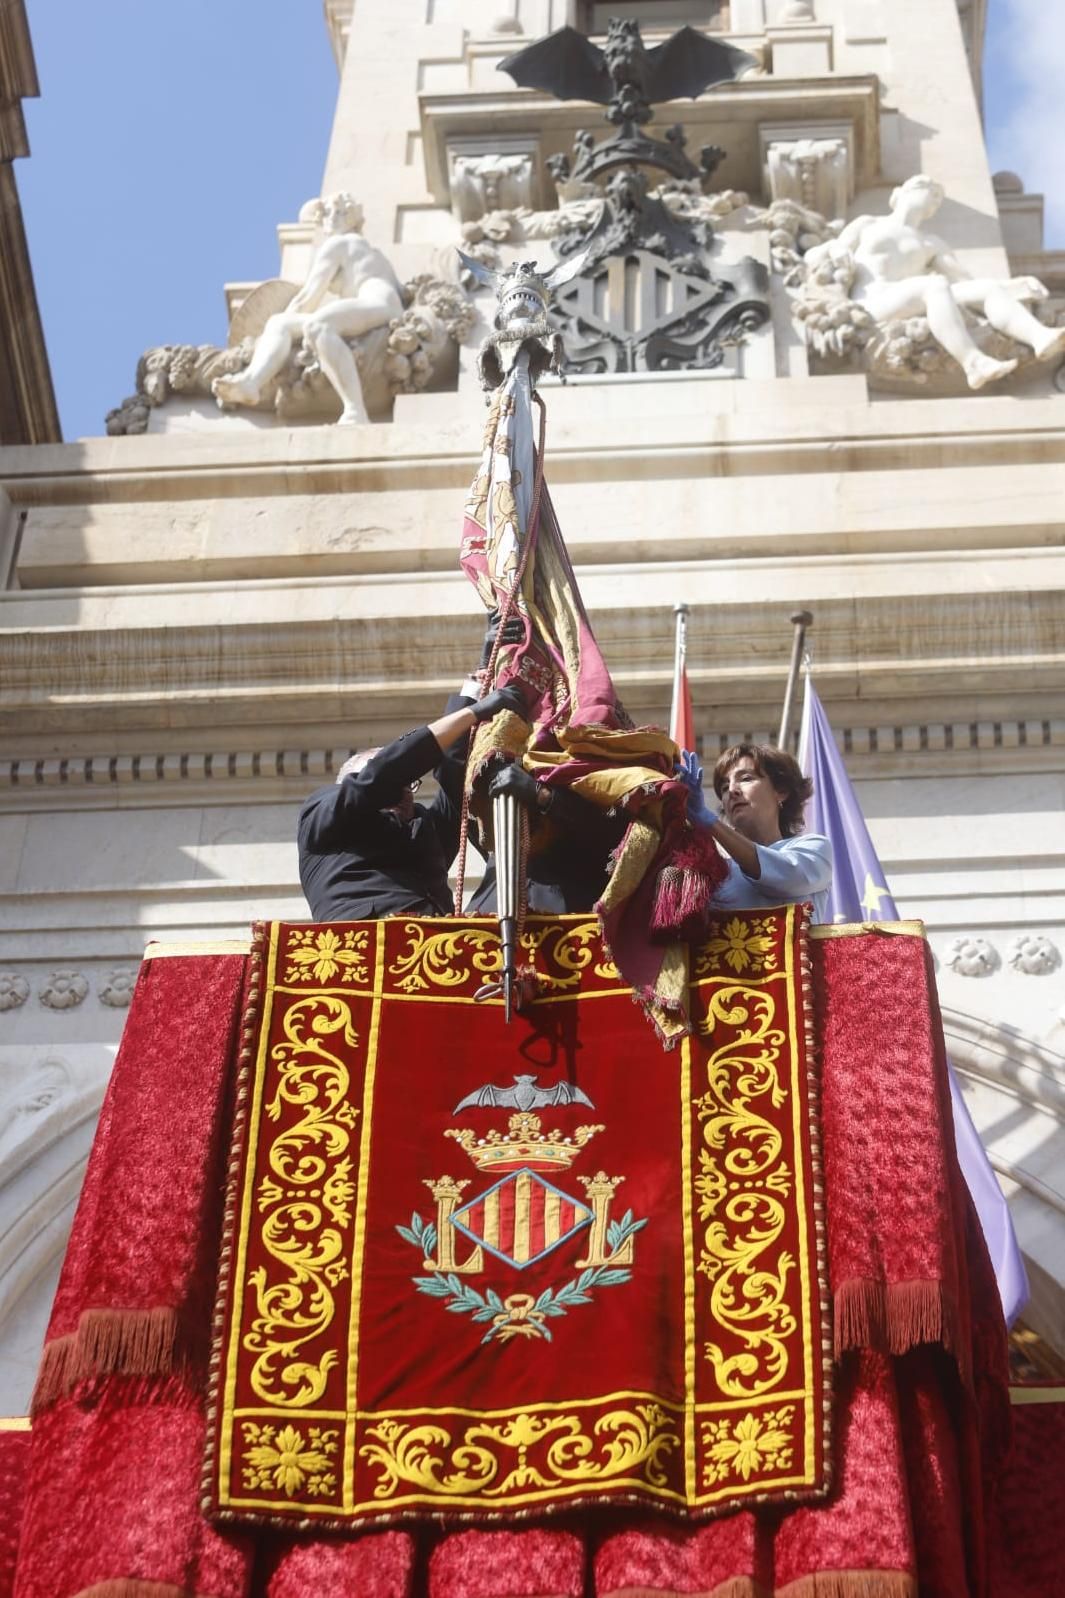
column 205, row 619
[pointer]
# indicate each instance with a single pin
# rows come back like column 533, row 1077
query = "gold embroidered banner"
column 473, row 1269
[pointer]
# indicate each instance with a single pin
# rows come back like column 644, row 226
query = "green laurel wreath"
column 462, row 1299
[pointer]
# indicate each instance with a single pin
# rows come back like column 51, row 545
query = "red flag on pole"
column 681, row 720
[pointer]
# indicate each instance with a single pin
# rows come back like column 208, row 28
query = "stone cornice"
column 169, row 777
column 282, row 654
column 18, row 78
column 728, row 429
column 729, row 114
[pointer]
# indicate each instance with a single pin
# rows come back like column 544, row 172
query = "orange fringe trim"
column 852, row 1584
column 127, row 1587
column 108, row 1342
column 892, row 1317
column 735, row 1587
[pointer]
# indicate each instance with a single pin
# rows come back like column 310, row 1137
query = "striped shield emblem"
column 522, row 1218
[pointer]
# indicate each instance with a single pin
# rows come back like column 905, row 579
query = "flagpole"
column 680, row 649
column 800, row 620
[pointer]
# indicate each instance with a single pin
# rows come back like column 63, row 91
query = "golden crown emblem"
column 524, row 1146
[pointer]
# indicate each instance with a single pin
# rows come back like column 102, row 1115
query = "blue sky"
column 172, row 136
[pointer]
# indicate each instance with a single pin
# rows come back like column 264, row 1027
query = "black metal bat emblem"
column 526, row 1094
column 626, row 74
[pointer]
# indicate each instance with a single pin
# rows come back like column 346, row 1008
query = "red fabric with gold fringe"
column 112, row 1489
column 667, row 1343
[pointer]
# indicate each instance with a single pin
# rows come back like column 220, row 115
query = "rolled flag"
column 860, row 893
column 681, row 719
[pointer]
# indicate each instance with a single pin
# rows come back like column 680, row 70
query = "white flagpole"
column 680, row 649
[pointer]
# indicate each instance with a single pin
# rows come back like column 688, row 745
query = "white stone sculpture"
column 971, row 957
column 349, row 291
column 482, row 183
column 117, row 990
column 400, row 358
column 63, row 990
column 885, row 289
column 1034, row 955
column 14, row 990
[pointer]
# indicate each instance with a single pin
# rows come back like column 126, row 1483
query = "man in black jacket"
column 366, row 849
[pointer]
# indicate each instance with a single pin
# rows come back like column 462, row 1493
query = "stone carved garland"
column 858, row 310
column 683, row 201
column 294, row 350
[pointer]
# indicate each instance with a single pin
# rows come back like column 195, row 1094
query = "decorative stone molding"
column 683, row 202
column 14, row 990
column 63, row 990
column 485, row 177
column 812, row 165
column 971, row 957
column 1033, row 954
column 794, row 11
column 868, row 311
column 213, row 770
column 117, row 989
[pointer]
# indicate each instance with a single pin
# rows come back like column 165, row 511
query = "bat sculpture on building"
column 624, row 74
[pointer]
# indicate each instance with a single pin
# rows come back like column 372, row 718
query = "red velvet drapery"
column 111, row 1487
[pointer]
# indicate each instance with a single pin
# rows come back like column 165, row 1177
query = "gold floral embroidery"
column 311, row 1179
column 744, row 946
column 621, row 1443
column 742, row 1183
column 322, row 953
column 445, row 959
column 756, row 1443
column 284, row 1460
column 564, row 953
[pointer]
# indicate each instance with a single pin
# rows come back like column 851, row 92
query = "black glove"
column 508, row 698
column 515, row 780
column 513, row 633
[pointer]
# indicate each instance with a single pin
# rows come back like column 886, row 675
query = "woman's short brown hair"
column 783, row 771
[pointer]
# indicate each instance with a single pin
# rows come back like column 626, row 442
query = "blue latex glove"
column 691, row 774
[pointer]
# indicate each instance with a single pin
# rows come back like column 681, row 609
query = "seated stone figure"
column 349, row 291
column 895, row 269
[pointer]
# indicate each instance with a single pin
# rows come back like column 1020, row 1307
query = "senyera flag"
column 860, row 893
column 576, row 733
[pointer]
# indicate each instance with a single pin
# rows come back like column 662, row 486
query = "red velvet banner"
column 111, row 1487
column 480, row 1269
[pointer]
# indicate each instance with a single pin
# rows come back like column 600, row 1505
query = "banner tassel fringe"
column 107, row 1343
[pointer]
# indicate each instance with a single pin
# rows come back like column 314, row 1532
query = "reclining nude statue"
column 892, row 270
column 349, row 291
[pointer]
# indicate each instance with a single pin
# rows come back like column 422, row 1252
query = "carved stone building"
column 209, row 607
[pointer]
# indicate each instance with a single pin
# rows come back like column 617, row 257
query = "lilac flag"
column 860, row 893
